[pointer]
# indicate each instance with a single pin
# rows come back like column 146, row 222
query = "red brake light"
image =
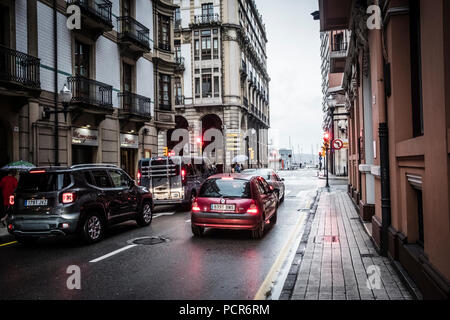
column 37, row 171
column 195, row 207
column 68, row 197
column 183, row 175
column 11, row 200
column 253, row 209
column 227, row 178
column 10, row 226
column 139, row 176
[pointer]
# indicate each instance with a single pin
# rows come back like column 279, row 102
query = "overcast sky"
column 294, row 63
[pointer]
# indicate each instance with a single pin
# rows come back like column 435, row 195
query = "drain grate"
column 150, row 241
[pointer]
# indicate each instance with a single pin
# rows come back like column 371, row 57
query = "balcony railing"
column 19, row 67
column 130, row 29
column 179, row 61
column 135, row 104
column 177, row 24
column 90, row 92
column 245, row 102
column 98, row 8
column 339, row 47
column 207, row 19
column 164, row 46
column 179, row 100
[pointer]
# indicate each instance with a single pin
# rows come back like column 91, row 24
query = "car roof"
column 237, row 176
column 53, row 169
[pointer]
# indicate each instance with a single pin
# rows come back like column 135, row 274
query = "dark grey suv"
column 82, row 199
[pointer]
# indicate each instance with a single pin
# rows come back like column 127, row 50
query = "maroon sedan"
column 236, row 202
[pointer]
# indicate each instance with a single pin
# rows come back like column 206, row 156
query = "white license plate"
column 36, row 203
column 162, row 196
column 223, row 207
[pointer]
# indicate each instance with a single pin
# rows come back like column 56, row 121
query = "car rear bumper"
column 225, row 221
column 42, row 226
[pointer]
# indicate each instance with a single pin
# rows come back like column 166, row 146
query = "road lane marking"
column 276, row 267
column 287, row 192
column 187, row 221
column 113, row 253
column 299, row 195
column 7, row 244
column 163, row 214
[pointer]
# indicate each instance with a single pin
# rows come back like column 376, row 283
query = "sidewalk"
column 339, row 257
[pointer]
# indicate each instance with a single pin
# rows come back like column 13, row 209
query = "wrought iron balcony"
column 179, row 100
column 179, row 61
column 245, row 102
column 133, row 36
column 19, row 69
column 207, row 19
column 90, row 94
column 135, row 105
column 339, row 46
column 97, row 15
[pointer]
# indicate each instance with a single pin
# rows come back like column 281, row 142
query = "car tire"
column 145, row 216
column 197, row 231
column 258, row 233
column 92, row 229
column 27, row 241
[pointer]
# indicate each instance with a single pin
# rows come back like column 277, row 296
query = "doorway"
column 83, row 154
column 128, row 161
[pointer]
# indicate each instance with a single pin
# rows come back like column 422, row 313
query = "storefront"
column 84, row 145
column 129, row 145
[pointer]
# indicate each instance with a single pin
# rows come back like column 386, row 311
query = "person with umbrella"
column 8, row 185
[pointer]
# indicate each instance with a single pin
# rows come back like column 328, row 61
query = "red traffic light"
column 326, row 137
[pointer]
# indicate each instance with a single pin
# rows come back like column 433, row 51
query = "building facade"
column 397, row 84
column 333, row 50
column 118, row 64
column 221, row 83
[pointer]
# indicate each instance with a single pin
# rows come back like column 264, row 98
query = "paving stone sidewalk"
column 340, row 258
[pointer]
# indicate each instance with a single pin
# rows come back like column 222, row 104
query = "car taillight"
column 139, row 176
column 11, row 200
column 195, row 207
column 68, row 197
column 253, row 209
column 183, row 175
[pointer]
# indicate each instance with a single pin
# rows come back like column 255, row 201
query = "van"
column 174, row 180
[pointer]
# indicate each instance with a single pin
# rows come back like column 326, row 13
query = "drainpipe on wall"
column 55, row 41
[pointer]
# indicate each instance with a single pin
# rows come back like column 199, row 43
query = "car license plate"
column 36, row 203
column 223, row 207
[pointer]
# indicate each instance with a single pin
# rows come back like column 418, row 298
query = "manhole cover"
column 150, row 241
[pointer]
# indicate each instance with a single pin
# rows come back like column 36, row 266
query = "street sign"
column 338, row 144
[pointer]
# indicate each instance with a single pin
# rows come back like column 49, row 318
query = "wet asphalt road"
column 222, row 265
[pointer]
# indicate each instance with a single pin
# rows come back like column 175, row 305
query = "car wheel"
column 27, row 241
column 145, row 217
column 259, row 231
column 93, row 228
column 197, row 231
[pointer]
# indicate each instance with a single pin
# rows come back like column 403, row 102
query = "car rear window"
column 223, row 188
column 43, row 182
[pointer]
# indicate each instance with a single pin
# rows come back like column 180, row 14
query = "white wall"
column 107, row 65
column 21, row 26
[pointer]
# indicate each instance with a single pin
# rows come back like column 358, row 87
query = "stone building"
column 397, row 84
column 221, row 81
column 118, row 66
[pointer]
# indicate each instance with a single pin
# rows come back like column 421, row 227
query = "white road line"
column 187, row 221
column 299, row 194
column 163, row 214
column 113, row 253
column 287, row 192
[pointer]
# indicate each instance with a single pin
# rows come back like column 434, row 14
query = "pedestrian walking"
column 8, row 185
column 237, row 168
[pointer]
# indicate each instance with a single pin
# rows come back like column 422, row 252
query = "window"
column 177, row 49
column 178, row 91
column 164, row 32
column 164, row 92
column 197, row 87
column 416, row 68
column 88, row 178
column 218, row 188
column 127, row 71
column 44, row 182
column 177, row 18
column 207, row 10
column 82, row 59
column 216, row 48
column 101, row 179
column 126, row 8
column 197, row 49
column 206, row 45
column 206, row 86
column 216, row 87
column 119, row 179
